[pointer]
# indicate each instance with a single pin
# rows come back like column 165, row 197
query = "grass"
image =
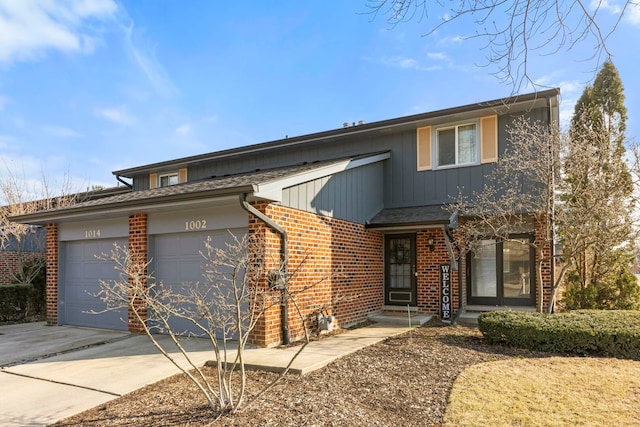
column 547, row 392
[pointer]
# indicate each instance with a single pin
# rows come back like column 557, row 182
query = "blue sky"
column 92, row 86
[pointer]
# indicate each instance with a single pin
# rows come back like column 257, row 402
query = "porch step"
column 470, row 313
column 392, row 317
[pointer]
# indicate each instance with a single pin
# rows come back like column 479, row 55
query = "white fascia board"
column 272, row 190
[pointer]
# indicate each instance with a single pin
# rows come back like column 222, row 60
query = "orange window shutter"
column 424, row 148
column 489, row 139
column 153, row 180
column 182, row 175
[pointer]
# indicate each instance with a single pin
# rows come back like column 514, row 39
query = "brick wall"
column 428, row 270
column 540, row 236
column 138, row 252
column 9, row 264
column 52, row 274
column 342, row 260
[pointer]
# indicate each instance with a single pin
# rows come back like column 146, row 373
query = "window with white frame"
column 457, row 145
column 168, row 179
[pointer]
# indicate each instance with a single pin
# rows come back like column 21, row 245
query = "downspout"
column 552, row 245
column 123, row 181
column 284, row 254
column 453, row 223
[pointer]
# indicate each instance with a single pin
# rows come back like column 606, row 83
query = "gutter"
column 284, row 254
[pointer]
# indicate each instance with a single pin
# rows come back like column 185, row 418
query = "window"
column 168, row 179
column 470, row 143
column 457, row 145
column 501, row 273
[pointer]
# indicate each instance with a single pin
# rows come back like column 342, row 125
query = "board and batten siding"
column 354, row 195
column 404, row 184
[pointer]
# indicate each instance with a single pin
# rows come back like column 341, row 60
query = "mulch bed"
column 404, row 380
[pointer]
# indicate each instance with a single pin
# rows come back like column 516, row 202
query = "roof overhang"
column 128, row 207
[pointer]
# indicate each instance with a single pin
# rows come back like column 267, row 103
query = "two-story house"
column 367, row 199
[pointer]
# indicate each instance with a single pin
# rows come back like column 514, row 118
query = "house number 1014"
column 198, row 224
column 91, row 234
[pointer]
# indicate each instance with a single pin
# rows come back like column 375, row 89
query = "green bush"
column 14, row 302
column 613, row 333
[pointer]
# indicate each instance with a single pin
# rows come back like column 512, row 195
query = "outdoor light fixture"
column 431, row 244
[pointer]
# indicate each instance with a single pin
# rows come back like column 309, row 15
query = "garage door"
column 81, row 276
column 178, row 263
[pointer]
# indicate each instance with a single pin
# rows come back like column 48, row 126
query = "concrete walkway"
column 39, row 391
column 321, row 352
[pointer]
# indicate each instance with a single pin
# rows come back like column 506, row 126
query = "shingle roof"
column 415, row 215
column 208, row 188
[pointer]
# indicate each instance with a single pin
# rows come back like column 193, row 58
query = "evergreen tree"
column 598, row 200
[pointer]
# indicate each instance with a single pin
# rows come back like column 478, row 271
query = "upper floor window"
column 168, row 179
column 461, row 144
column 457, row 145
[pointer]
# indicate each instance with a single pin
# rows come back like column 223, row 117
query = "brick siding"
column 138, row 252
column 9, row 264
column 428, row 270
column 342, row 260
column 52, row 246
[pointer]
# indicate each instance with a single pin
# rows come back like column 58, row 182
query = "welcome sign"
column 445, row 292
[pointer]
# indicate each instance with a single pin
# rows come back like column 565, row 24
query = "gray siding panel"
column 403, row 184
column 354, row 195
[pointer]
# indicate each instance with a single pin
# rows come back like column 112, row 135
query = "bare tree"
column 520, row 196
column 512, row 30
column 19, row 197
column 224, row 308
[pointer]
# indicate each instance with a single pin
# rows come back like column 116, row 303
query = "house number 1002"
column 199, row 224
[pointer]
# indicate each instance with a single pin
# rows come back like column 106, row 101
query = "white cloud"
column 118, row 115
column 605, row 5
column 144, row 56
column 183, row 130
column 633, row 13
column 30, row 28
column 438, row 56
column 406, row 63
column 62, row 132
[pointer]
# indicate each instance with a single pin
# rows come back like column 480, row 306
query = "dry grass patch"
column 553, row 391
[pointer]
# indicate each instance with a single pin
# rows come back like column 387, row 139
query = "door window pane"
column 400, row 263
column 483, row 270
column 516, row 269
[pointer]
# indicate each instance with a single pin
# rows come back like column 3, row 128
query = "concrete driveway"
column 48, row 373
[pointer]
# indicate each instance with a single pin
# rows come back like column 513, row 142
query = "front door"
column 400, row 270
column 502, row 273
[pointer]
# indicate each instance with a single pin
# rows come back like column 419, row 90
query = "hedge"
column 612, row 333
column 19, row 301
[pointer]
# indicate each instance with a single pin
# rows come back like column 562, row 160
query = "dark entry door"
column 400, row 270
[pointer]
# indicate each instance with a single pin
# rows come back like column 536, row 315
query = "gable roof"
column 525, row 101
